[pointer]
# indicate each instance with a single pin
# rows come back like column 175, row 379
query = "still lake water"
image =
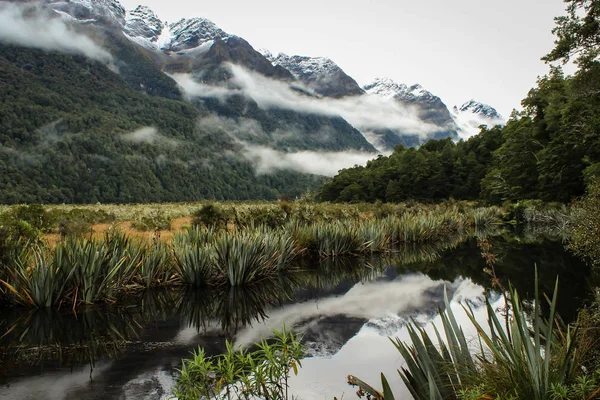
column 346, row 309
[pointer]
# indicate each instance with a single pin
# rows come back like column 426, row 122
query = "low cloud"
column 267, row 160
column 29, row 27
column 363, row 112
column 148, row 135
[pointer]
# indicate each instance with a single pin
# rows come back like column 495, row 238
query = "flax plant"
column 243, row 258
column 39, row 278
column 527, row 360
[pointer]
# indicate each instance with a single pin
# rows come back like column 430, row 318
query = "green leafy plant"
column 243, row 374
column 528, row 361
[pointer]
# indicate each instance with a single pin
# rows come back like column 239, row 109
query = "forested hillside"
column 548, row 151
column 72, row 131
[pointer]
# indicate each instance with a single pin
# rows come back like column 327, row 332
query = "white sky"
column 457, row 49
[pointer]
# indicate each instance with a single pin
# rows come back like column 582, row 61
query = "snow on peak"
column 144, row 26
column 472, row 114
column 303, row 66
column 189, row 33
column 475, row 107
column 385, row 87
column 90, row 10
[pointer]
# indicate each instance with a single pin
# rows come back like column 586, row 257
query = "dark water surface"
column 346, row 309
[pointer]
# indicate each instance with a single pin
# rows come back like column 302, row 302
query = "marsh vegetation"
column 224, row 245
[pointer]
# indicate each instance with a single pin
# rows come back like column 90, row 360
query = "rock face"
column 320, row 74
column 473, row 114
column 428, row 108
column 144, row 27
column 90, row 11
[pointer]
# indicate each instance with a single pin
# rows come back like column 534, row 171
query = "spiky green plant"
column 39, row 278
column 525, row 362
column 156, row 265
column 282, row 246
column 194, row 264
column 93, row 269
column 243, row 258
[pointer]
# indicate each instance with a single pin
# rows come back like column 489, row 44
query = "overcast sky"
column 460, row 49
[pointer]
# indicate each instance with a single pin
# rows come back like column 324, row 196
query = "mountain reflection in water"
column 346, row 309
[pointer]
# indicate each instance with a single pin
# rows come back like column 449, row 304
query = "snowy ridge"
column 88, row 11
column 475, row 107
column 472, row 114
column 385, row 87
column 301, row 66
column 193, row 32
column 320, row 74
column 143, row 26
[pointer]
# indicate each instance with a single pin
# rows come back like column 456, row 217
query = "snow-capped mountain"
column 321, row 74
column 385, row 87
column 428, row 108
column 90, row 11
column 472, row 114
column 145, row 28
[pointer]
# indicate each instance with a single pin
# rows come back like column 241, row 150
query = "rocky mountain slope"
column 427, row 107
column 321, row 74
column 472, row 114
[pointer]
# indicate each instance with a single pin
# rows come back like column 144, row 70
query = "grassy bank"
column 224, row 245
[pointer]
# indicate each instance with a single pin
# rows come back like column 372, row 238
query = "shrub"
column 584, row 231
column 210, row 215
column 262, row 373
column 155, row 220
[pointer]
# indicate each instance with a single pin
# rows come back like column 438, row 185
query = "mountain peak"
column 321, row 74
column 145, row 28
column 475, row 107
column 90, row 11
column 385, row 87
column 189, row 33
column 303, row 65
column 143, row 24
column 473, row 114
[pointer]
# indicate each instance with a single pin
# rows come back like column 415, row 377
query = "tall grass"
column 39, row 279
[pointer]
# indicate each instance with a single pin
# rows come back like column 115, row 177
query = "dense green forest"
column 67, row 135
column 548, row 151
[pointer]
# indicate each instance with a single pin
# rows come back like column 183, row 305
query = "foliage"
column 578, row 33
column 585, row 229
column 156, row 221
column 437, row 170
column 244, row 258
column 243, row 374
column 68, row 134
column 210, row 215
column 520, row 359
